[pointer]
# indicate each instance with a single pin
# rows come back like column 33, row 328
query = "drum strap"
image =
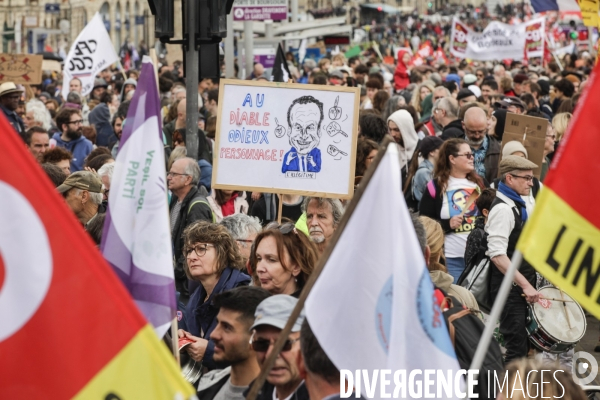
column 451, row 325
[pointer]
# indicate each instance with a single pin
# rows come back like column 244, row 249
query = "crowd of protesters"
column 238, row 272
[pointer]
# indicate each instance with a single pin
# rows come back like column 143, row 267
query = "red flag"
column 68, row 328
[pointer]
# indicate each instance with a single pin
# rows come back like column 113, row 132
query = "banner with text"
column 498, row 41
column 286, row 138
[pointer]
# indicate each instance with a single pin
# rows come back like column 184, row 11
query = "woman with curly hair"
column 282, row 258
column 213, row 260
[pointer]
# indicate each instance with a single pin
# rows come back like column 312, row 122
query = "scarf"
column 514, row 196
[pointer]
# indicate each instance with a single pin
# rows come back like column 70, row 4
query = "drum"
column 553, row 325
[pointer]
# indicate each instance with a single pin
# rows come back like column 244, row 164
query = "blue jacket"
column 295, row 163
column 201, row 316
column 100, row 118
column 80, row 148
column 16, row 122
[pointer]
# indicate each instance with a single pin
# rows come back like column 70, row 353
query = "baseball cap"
column 469, row 79
column 276, row 310
column 336, row 74
column 84, row 180
column 514, row 101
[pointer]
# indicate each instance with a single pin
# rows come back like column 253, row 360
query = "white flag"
column 372, row 307
column 91, row 52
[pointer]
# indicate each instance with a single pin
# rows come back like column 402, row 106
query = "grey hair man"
column 106, row 173
column 445, row 114
column 82, row 191
column 243, row 229
column 187, row 206
column 323, row 216
column 36, row 114
column 507, row 216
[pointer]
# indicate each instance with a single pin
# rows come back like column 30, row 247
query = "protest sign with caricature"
column 286, row 138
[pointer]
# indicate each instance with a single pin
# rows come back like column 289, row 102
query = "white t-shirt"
column 456, row 197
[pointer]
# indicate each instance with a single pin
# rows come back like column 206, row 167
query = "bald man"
column 485, row 148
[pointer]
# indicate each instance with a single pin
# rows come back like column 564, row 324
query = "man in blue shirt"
column 304, row 119
column 70, row 137
column 9, row 102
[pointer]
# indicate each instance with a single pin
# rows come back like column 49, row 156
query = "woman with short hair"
column 213, row 260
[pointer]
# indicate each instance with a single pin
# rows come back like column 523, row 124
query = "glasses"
column 481, row 132
column 437, row 98
column 528, row 178
column 200, row 249
column 262, row 345
column 78, row 122
column 175, row 174
column 468, row 155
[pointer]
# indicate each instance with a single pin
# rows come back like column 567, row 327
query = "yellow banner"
column 565, row 248
column 589, row 12
column 144, row 356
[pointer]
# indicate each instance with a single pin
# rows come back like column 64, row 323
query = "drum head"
column 552, row 317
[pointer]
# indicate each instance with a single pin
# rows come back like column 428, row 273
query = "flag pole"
column 258, row 382
column 486, row 337
column 279, row 208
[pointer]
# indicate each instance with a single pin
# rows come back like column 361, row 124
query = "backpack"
column 465, row 330
column 200, row 199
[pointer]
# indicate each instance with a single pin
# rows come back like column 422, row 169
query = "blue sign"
column 139, row 20
column 52, row 8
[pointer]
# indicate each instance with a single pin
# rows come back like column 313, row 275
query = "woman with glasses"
column 446, row 200
column 213, row 260
column 282, row 259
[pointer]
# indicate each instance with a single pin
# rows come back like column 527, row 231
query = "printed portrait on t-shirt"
column 457, row 200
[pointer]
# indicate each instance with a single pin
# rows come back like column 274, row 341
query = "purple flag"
column 137, row 237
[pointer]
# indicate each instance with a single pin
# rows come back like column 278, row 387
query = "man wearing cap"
column 505, row 222
column 465, row 96
column 336, row 78
column 9, row 102
column 514, row 104
column 83, row 193
column 284, row 381
column 99, row 89
column 468, row 80
column 486, row 149
column 232, row 350
column 518, row 83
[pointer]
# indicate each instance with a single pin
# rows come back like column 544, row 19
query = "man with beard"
column 70, row 124
column 304, row 119
column 322, row 219
column 232, row 345
column 486, row 149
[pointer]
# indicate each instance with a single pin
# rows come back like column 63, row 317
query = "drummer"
column 506, row 219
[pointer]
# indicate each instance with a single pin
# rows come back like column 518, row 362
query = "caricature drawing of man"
column 304, row 119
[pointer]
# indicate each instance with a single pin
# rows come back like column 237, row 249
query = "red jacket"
column 401, row 77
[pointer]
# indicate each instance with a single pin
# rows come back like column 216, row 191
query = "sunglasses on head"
column 283, row 228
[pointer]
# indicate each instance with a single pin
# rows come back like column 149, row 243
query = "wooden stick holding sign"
column 279, row 208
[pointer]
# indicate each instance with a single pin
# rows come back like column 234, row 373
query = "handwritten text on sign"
column 278, row 137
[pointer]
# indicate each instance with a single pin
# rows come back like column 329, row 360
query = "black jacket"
column 453, row 130
column 491, row 160
column 16, row 122
column 266, row 392
column 100, row 118
column 193, row 208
